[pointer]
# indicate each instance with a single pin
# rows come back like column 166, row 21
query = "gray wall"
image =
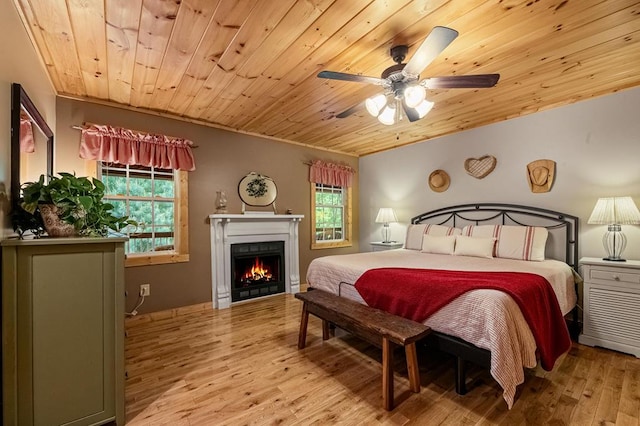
column 595, row 143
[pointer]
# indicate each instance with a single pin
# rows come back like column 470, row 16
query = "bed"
column 484, row 326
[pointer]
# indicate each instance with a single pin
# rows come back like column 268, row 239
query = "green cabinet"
column 63, row 331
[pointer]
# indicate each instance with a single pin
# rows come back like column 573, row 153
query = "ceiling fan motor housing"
column 394, row 72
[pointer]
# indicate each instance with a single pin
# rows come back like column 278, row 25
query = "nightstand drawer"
column 624, row 277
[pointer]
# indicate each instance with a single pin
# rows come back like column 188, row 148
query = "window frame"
column 180, row 252
column 347, row 222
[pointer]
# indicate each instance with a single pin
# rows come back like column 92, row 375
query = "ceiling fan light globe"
column 375, row 104
column 414, row 96
column 388, row 115
column 423, row 108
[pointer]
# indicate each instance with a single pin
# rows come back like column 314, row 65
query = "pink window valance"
column 331, row 174
column 27, row 143
column 124, row 146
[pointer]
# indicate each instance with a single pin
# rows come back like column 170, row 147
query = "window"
column 157, row 198
column 331, row 216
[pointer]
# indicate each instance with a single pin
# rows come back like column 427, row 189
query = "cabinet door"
column 66, row 304
column 612, row 314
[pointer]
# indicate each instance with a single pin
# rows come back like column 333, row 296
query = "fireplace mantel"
column 228, row 229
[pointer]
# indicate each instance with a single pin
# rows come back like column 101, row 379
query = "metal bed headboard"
column 506, row 214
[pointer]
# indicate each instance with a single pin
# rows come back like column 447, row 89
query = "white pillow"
column 513, row 242
column 438, row 244
column 415, row 233
column 474, row 246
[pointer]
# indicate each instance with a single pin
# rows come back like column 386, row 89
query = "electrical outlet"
column 145, row 290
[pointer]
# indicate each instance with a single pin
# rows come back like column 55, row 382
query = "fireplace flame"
column 258, row 272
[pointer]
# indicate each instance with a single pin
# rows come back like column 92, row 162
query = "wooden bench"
column 378, row 327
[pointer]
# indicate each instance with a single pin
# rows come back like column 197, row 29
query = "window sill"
column 146, row 259
column 320, row 246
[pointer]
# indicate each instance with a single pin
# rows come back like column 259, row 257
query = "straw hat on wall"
column 439, row 181
column 540, row 174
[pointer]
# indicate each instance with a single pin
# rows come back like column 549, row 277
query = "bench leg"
column 412, row 367
column 304, row 320
column 326, row 333
column 387, row 374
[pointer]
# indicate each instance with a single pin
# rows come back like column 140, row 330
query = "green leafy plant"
column 79, row 201
column 23, row 221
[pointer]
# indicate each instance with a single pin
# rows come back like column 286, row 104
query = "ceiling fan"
column 403, row 89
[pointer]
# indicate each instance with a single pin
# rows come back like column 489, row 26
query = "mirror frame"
column 20, row 99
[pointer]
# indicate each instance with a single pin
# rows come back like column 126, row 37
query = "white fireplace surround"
column 228, row 229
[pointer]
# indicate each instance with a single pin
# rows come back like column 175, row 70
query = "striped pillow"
column 513, row 242
column 415, row 233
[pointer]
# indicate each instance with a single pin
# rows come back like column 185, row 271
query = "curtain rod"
column 76, row 127
column 309, row 163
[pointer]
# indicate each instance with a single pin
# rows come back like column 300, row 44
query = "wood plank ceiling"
column 251, row 65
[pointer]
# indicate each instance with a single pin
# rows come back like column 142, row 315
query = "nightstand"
column 380, row 246
column 611, row 305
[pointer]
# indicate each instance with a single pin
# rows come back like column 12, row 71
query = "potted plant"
column 65, row 206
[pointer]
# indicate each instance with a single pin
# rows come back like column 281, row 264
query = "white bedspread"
column 489, row 319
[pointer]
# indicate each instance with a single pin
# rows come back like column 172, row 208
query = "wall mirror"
column 31, row 142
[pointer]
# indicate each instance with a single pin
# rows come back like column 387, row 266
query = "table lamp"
column 614, row 212
column 386, row 215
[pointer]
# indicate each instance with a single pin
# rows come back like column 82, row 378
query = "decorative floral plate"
column 257, row 190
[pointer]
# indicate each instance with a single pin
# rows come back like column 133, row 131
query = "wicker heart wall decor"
column 480, row 167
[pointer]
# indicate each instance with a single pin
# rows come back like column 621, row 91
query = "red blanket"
column 419, row 293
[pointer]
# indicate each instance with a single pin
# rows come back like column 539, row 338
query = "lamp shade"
column 375, row 104
column 386, row 215
column 423, row 108
column 388, row 115
column 414, row 95
column 615, row 211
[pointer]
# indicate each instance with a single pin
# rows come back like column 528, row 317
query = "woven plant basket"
column 53, row 224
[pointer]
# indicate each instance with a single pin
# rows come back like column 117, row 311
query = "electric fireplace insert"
column 257, row 270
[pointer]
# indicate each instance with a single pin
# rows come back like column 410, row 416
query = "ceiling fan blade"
column 461, row 81
column 411, row 113
column 437, row 40
column 349, row 111
column 333, row 75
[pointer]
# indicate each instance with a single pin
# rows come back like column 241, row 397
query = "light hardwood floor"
column 241, row 365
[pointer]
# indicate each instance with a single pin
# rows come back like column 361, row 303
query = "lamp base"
column 386, row 234
column 614, row 242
